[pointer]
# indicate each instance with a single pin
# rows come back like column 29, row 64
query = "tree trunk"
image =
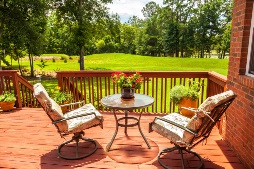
column 223, row 54
column 1, row 58
column 20, row 67
column 81, row 58
column 31, row 65
column 202, row 54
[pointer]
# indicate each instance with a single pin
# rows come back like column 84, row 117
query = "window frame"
column 250, row 56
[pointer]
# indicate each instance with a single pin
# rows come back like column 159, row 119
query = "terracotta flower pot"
column 188, row 103
column 7, row 106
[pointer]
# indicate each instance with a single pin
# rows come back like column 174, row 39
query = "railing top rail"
column 218, row 76
column 8, row 72
column 160, row 74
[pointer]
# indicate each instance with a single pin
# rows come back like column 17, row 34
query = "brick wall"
column 239, row 132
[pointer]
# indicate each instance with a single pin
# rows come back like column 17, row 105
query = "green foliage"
column 179, row 28
column 192, row 91
column 42, row 65
column 59, row 96
column 65, row 60
column 7, row 97
column 100, row 45
column 53, row 59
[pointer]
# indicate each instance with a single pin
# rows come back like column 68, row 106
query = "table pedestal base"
column 126, row 125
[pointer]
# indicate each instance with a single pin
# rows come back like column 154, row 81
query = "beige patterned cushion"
column 207, row 106
column 53, row 109
column 180, row 136
column 211, row 102
column 55, row 112
column 172, row 132
column 40, row 93
column 84, row 122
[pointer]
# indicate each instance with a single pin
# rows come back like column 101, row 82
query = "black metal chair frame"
column 76, row 136
column 200, row 135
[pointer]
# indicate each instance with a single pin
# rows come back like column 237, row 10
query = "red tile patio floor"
column 29, row 141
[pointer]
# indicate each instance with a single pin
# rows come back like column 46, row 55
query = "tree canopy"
column 180, row 28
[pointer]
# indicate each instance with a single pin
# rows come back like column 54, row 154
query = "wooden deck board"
column 29, row 140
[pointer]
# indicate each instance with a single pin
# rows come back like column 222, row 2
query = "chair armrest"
column 189, row 108
column 195, row 110
column 177, row 125
column 69, row 104
column 73, row 117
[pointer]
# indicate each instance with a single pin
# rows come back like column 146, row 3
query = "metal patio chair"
column 73, row 122
column 185, row 133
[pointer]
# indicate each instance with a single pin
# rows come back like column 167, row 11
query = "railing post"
column 216, row 83
column 16, row 89
column 59, row 79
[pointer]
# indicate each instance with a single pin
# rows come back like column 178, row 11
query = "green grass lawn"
column 120, row 61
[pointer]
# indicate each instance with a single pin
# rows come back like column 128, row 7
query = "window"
column 250, row 68
column 250, row 57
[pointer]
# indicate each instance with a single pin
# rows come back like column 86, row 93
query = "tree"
column 22, row 23
column 151, row 28
column 80, row 15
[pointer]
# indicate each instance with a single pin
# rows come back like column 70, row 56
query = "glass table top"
column 114, row 101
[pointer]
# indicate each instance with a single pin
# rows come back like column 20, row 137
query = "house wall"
column 239, row 132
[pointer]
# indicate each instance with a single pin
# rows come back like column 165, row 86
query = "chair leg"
column 76, row 138
column 180, row 150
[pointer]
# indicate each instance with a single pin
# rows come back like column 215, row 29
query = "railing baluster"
column 91, row 86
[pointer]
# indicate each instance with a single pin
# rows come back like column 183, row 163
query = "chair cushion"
column 172, row 132
column 84, row 122
column 181, row 137
column 211, row 102
column 207, row 106
column 49, row 105
column 40, row 93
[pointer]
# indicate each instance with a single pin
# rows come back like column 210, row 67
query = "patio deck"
column 29, row 140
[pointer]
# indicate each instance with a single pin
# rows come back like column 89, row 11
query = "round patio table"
column 115, row 102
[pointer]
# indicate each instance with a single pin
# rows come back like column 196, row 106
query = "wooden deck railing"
column 91, row 86
column 11, row 81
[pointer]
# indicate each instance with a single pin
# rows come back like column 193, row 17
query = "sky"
column 127, row 8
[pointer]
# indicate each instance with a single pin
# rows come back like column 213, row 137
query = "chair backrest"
column 52, row 109
column 209, row 113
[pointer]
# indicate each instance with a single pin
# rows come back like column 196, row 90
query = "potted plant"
column 128, row 84
column 186, row 96
column 60, row 97
column 7, row 101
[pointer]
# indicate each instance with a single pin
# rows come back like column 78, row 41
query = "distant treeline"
column 182, row 28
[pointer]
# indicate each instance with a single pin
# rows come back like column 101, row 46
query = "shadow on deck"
column 29, row 140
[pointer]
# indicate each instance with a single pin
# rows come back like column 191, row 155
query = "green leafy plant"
column 192, row 91
column 60, row 97
column 124, row 81
column 7, row 97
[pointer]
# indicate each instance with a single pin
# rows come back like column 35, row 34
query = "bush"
column 192, row 91
column 7, row 97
